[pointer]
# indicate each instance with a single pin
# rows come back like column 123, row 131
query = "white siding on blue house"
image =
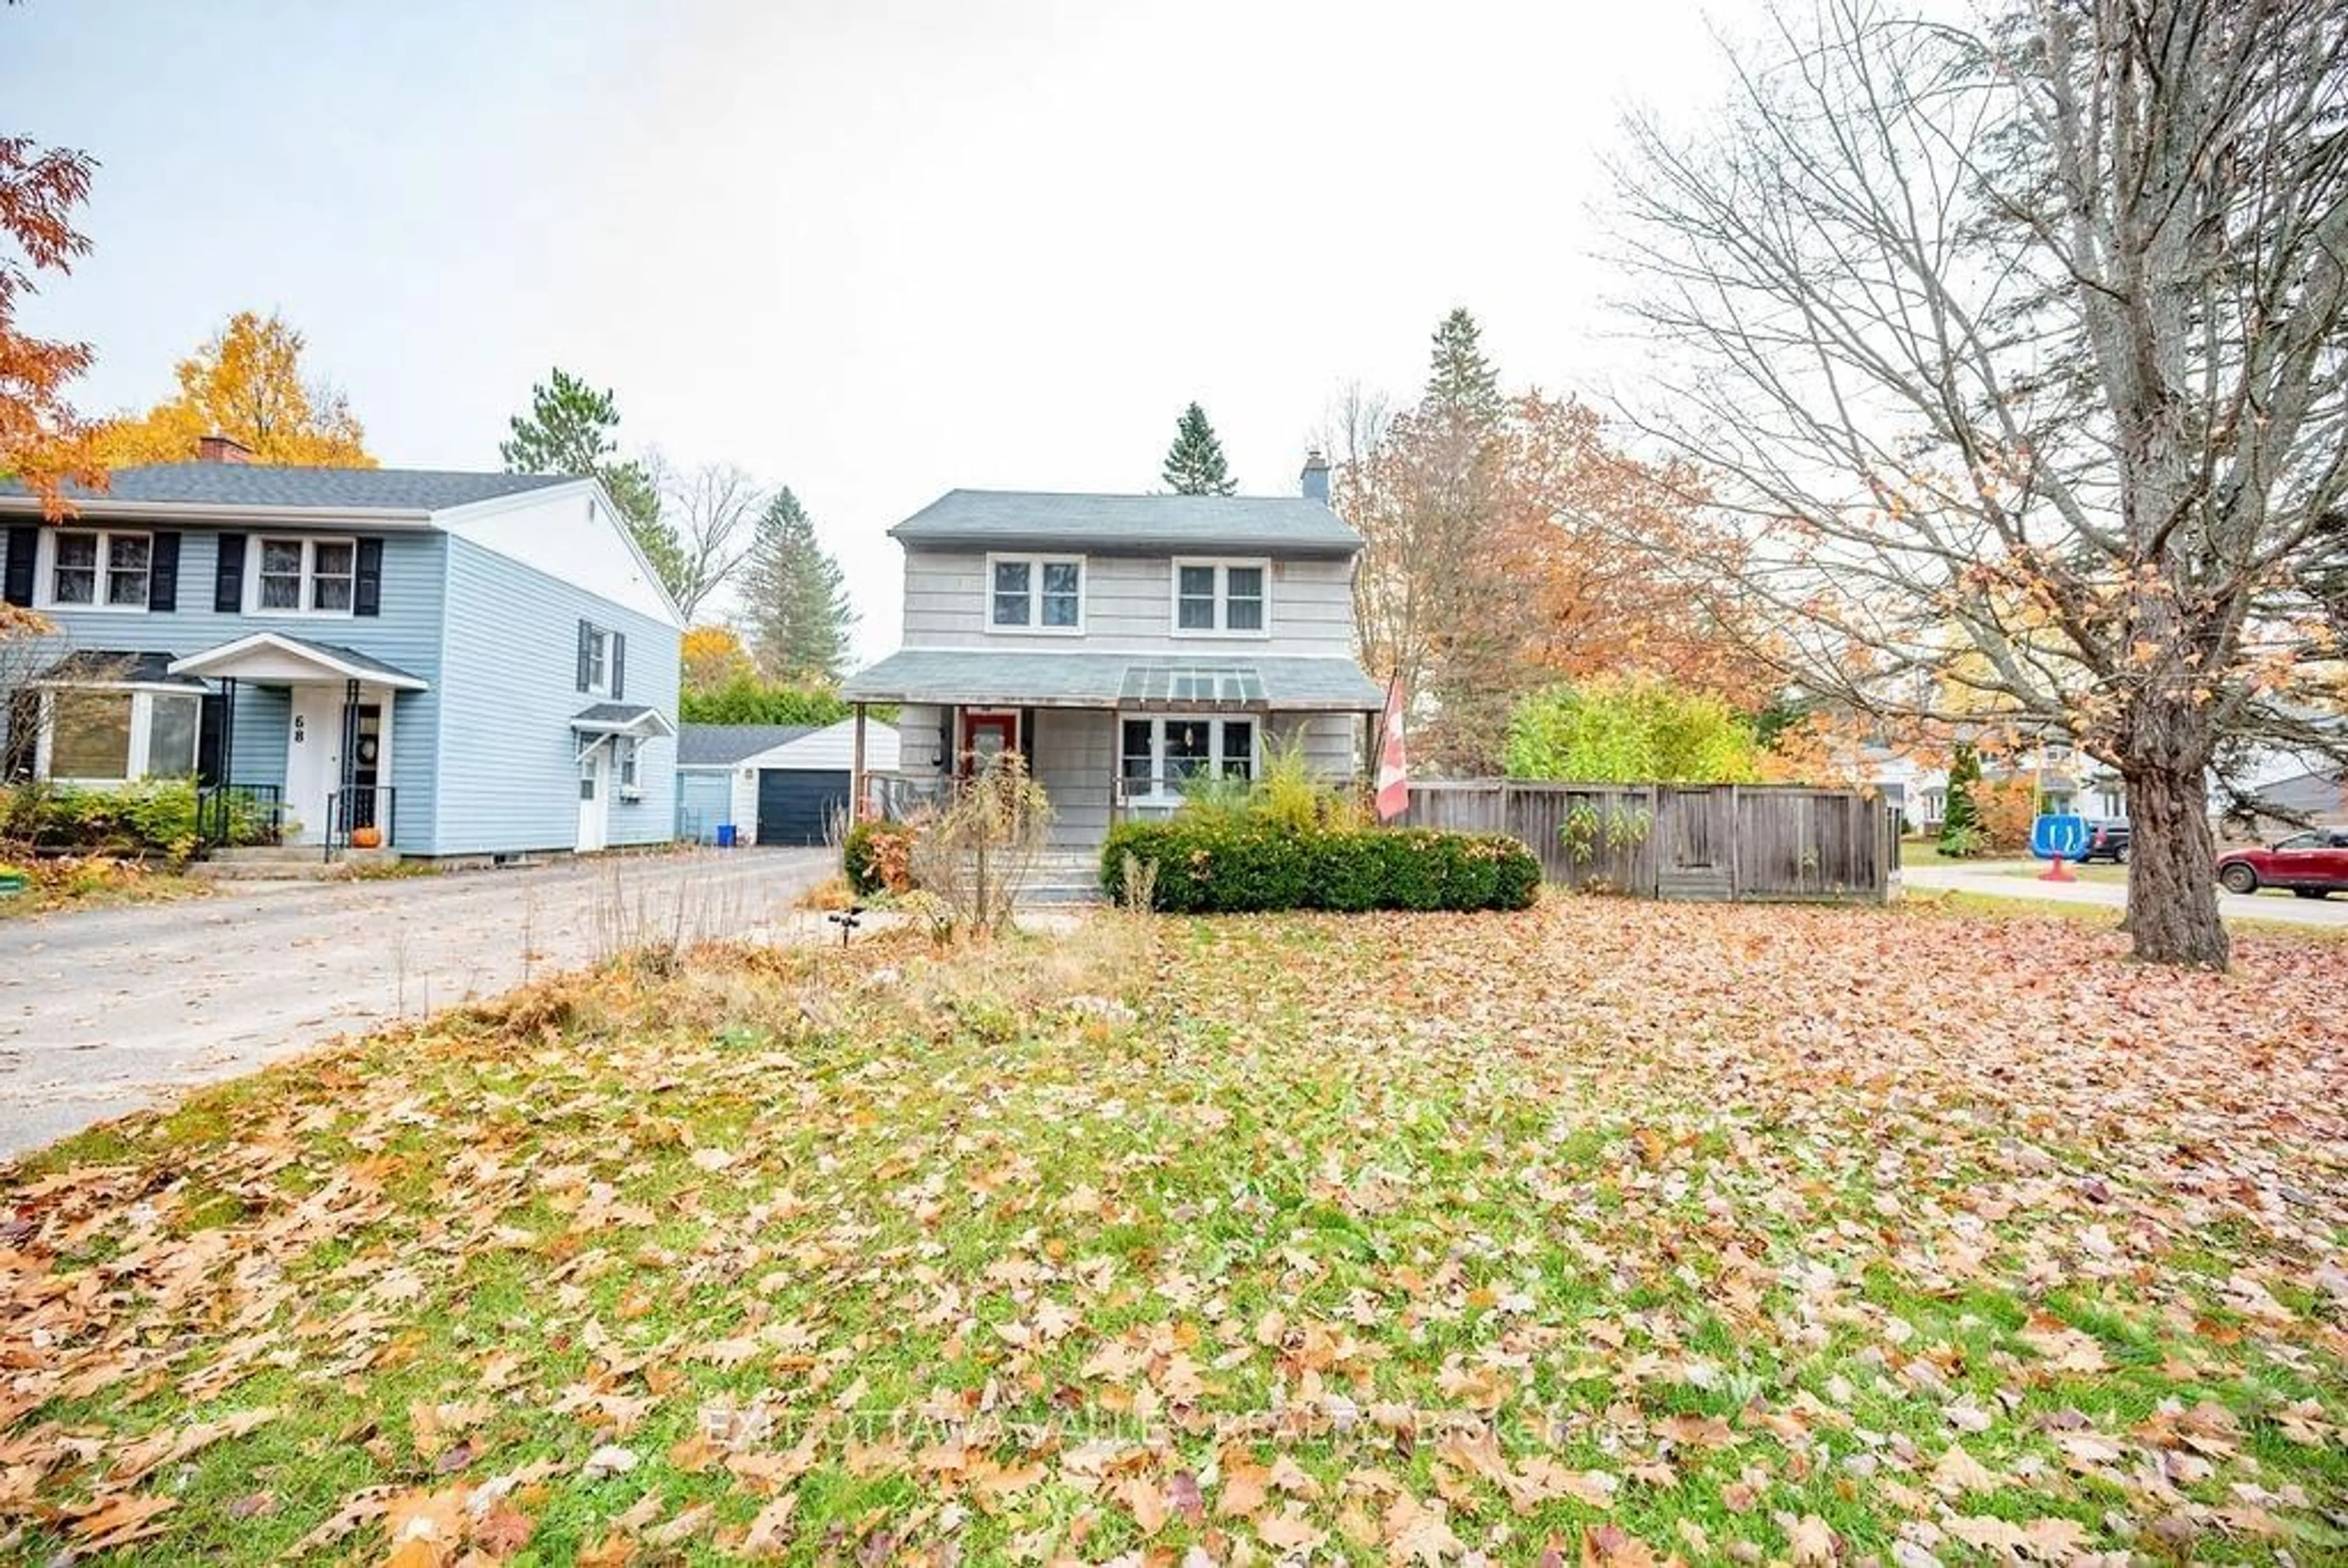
column 508, row 767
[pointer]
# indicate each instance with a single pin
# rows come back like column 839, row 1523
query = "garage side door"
column 795, row 803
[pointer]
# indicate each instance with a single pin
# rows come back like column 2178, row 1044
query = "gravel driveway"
column 108, row 1011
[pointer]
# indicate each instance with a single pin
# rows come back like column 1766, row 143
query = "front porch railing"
column 232, row 816
column 895, row 796
column 373, row 808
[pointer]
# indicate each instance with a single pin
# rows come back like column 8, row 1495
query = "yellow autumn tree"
column 712, row 656
column 246, row 384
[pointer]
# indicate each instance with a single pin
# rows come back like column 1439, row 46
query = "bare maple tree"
column 2019, row 354
column 711, row 512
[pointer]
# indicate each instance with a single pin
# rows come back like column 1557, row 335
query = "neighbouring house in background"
column 2315, row 797
column 469, row 665
column 772, row 783
column 2064, row 780
column 1126, row 646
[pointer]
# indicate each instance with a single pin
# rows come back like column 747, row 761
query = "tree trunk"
column 2172, row 899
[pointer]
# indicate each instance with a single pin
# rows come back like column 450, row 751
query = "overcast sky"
column 872, row 249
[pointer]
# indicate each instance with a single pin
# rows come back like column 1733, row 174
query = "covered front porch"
column 1108, row 737
column 317, row 770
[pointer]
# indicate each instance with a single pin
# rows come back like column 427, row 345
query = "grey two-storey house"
column 1124, row 645
column 452, row 663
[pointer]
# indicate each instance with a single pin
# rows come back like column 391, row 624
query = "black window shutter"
column 23, row 545
column 228, row 579
column 367, row 592
column 619, row 666
column 586, row 652
column 163, row 572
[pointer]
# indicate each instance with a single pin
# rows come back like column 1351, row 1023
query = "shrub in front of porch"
column 1244, row 866
column 148, row 816
column 878, row 857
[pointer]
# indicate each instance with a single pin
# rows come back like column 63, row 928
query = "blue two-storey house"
column 450, row 664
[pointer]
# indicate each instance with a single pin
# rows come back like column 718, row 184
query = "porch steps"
column 285, row 862
column 1062, row 878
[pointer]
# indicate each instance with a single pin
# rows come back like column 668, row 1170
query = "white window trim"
column 1036, row 563
column 143, row 697
column 309, row 542
column 627, row 768
column 45, row 571
column 599, row 655
column 1159, row 794
column 1222, row 567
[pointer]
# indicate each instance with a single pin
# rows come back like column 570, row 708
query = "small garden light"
column 847, row 920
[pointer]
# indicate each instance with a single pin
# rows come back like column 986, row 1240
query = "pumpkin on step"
column 366, row 839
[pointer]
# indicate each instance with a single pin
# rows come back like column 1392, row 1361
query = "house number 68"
column 297, row 729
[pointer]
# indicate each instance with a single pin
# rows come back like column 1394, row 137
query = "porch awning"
column 99, row 667
column 1213, row 679
column 625, row 720
column 274, row 658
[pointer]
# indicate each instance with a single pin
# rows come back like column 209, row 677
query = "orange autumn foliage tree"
column 40, row 435
column 1512, row 548
column 246, row 384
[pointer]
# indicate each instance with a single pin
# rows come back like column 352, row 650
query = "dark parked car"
column 2310, row 863
column 2107, row 839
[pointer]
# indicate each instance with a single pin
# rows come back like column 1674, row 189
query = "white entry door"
column 595, row 798
column 313, row 759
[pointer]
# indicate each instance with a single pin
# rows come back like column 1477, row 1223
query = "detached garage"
column 775, row 784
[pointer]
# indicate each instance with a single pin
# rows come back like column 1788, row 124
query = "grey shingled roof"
column 352, row 657
column 95, row 665
column 1098, row 680
column 721, row 745
column 304, row 489
column 1038, row 519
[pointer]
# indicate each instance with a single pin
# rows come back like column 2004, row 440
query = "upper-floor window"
column 304, row 576
column 95, row 569
column 599, row 660
column 1036, row 593
column 1221, row 596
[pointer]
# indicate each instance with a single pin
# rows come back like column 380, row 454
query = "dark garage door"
column 795, row 803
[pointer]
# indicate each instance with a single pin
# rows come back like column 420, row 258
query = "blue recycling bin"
column 725, row 835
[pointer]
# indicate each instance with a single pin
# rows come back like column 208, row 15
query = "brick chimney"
column 222, row 449
column 1313, row 482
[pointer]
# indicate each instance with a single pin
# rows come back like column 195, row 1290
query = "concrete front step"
column 286, row 863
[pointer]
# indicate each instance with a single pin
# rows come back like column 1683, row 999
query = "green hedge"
column 1215, row 867
column 153, row 817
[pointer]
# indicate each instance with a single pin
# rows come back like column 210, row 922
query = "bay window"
column 1034, row 593
column 111, row 735
column 1157, row 757
column 1225, row 597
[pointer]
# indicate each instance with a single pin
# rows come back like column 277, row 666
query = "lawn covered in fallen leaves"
column 1605, row 1232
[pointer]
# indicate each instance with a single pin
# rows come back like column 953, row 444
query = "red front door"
column 986, row 736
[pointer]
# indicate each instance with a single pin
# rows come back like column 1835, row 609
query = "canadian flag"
column 1394, row 768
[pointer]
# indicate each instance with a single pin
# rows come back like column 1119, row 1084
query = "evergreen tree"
column 1194, row 463
column 1460, row 381
column 1960, row 825
column 569, row 430
column 795, row 599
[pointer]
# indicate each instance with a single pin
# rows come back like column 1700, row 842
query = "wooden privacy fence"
column 1681, row 841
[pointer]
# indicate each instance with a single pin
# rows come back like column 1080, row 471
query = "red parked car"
column 2310, row 863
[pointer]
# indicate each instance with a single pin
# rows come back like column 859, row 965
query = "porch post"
column 350, row 769
column 856, row 771
column 1116, row 763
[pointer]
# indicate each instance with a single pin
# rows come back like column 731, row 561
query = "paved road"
column 103, row 1011
column 1995, row 879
